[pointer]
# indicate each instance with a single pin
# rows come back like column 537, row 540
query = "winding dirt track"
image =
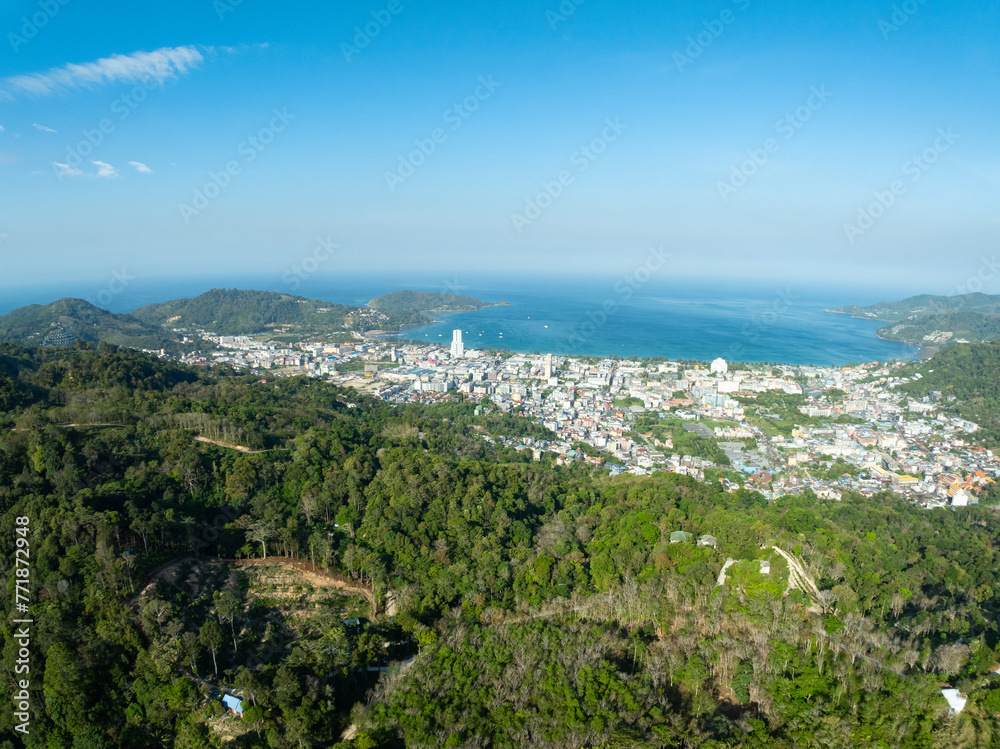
column 797, row 576
column 316, row 576
column 240, row 448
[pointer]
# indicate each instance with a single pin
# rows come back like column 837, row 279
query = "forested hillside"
column 65, row 321
column 242, row 312
column 973, row 317
column 514, row 603
column 422, row 301
column 969, row 373
column 925, row 305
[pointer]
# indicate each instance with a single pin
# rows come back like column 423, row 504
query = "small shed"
column 233, row 702
column 956, row 702
column 765, row 567
column 708, row 541
column 681, row 537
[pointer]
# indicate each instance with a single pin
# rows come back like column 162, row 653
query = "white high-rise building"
column 548, row 366
column 719, row 366
column 457, row 347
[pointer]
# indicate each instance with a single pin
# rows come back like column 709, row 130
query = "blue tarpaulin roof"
column 233, row 703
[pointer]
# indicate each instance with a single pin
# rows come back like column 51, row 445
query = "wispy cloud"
column 140, row 167
column 104, row 170
column 65, row 170
column 1, row 128
column 160, row 65
column 42, row 128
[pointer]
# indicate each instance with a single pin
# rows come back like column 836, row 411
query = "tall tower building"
column 457, row 347
column 548, row 366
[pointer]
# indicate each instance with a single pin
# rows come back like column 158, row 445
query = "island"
column 422, row 301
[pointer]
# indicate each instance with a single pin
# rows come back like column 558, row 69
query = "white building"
column 548, row 366
column 457, row 347
column 719, row 366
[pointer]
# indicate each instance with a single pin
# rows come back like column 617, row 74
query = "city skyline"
column 850, row 143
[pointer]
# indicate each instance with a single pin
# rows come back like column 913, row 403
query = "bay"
column 580, row 316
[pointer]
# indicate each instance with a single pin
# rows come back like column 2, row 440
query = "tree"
column 261, row 532
column 256, row 717
column 228, row 607
column 210, row 635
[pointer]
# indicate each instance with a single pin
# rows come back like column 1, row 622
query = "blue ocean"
column 579, row 316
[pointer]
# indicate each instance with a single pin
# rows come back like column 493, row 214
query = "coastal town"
column 777, row 429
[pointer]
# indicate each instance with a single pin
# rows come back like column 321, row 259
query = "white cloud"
column 104, row 170
column 65, row 170
column 159, row 65
column 1, row 128
column 42, row 128
column 140, row 167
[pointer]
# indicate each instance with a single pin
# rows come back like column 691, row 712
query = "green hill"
column 220, row 311
column 934, row 321
column 67, row 321
column 241, row 312
column 422, row 301
column 236, row 312
column 923, row 306
column 971, row 373
column 944, row 329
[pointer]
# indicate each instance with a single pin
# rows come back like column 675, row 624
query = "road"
column 722, row 574
column 797, row 575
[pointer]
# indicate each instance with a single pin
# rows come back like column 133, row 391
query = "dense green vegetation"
column 68, row 320
column 239, row 312
column 685, row 441
column 777, row 412
column 221, row 311
column 971, row 374
column 422, row 301
column 925, row 305
column 970, row 326
column 974, row 317
column 541, row 605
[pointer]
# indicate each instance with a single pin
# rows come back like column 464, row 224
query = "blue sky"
column 750, row 140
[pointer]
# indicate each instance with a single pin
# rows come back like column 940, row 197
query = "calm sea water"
column 786, row 324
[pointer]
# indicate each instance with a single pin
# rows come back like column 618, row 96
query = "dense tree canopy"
column 530, row 604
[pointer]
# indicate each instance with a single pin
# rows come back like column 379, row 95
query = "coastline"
column 923, row 353
column 568, row 327
column 445, row 312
